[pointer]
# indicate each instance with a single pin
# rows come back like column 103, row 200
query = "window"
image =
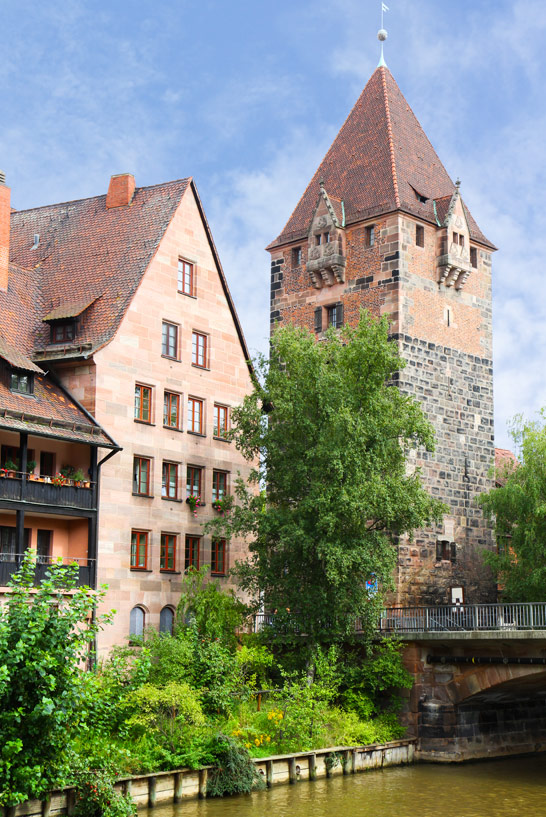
column 219, row 485
column 136, row 621
column 47, row 464
column 169, row 481
column 63, row 332
column 171, row 410
column 318, row 319
column 43, row 547
column 218, row 557
column 318, row 240
column 142, row 468
column 139, row 549
column 169, row 340
column 195, row 415
column 334, row 315
column 458, row 238
column 446, row 551
column 296, row 257
column 474, row 257
column 419, row 235
column 185, row 277
column 326, row 238
column 199, row 349
column 22, row 382
column 220, row 421
column 166, row 620
column 7, row 544
column 194, row 481
column 191, row 554
column 143, row 403
column 370, row 235
column 167, row 556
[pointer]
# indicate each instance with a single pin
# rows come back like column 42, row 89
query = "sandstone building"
column 122, row 299
column 382, row 226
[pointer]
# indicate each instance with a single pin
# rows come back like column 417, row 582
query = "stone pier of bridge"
column 477, row 693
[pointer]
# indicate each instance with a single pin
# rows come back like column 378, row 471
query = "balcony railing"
column 464, row 618
column 44, row 491
column 9, row 565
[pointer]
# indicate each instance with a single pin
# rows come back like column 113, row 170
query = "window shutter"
column 453, row 551
column 318, row 319
column 339, row 315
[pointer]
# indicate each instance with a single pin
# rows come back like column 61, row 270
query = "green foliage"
column 233, row 772
column 518, row 510
column 45, row 633
column 332, row 437
column 255, row 662
column 96, row 796
column 217, row 613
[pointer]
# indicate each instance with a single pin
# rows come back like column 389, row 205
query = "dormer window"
column 63, row 332
column 21, row 382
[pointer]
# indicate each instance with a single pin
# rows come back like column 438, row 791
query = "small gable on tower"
column 326, row 242
column 453, row 241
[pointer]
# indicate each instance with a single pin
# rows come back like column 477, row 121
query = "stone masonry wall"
column 456, row 392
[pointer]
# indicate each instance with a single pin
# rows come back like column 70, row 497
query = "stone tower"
column 382, row 226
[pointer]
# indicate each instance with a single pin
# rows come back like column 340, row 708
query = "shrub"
column 96, row 796
column 45, row 635
column 234, row 771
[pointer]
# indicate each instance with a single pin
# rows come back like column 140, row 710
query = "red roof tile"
column 378, row 163
column 50, row 411
column 87, row 253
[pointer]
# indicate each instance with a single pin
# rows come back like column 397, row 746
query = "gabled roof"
column 50, row 411
column 90, row 261
column 380, row 161
column 88, row 254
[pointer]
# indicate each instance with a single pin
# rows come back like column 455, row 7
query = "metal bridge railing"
column 464, row 618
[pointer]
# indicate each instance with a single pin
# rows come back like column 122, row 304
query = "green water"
column 501, row 788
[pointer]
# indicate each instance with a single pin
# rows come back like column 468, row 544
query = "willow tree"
column 331, row 434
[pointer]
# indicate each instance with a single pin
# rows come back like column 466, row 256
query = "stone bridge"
column 480, row 678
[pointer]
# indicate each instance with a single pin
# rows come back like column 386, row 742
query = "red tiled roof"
column 377, row 162
column 68, row 310
column 88, row 254
column 50, row 411
column 505, row 462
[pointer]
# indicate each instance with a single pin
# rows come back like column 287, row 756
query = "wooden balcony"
column 42, row 491
column 9, row 565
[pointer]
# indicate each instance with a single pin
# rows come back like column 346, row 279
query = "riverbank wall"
column 149, row 790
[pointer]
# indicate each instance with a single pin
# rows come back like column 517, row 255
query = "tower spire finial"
column 382, row 36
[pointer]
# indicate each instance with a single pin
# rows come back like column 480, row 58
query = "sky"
column 246, row 97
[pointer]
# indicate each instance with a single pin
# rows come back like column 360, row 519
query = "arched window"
column 166, row 620
column 136, row 623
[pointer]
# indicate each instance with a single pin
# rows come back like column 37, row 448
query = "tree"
column 518, row 510
column 45, row 633
column 331, row 434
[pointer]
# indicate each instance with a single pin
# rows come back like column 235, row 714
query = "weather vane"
column 382, row 34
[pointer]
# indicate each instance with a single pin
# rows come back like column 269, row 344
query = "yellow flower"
column 257, row 741
column 247, row 745
column 268, row 739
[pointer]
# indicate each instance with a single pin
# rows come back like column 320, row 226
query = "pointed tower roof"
column 380, row 161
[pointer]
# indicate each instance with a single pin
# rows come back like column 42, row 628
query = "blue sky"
column 247, row 96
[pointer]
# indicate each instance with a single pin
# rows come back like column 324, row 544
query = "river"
column 514, row 787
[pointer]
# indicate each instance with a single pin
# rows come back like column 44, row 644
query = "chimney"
column 120, row 190
column 5, row 211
